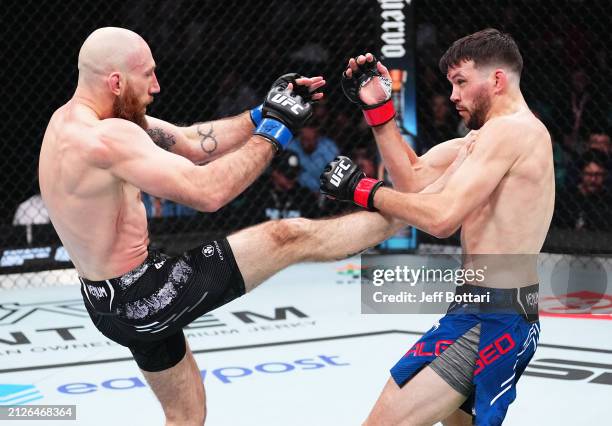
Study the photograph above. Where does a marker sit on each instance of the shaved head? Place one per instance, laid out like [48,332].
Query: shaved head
[111,49]
[117,74]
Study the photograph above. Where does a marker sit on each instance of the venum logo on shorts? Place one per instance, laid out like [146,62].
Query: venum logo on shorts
[97,292]
[532,298]
[208,250]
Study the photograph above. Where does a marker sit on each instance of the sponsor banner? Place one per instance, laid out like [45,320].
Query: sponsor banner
[330,375]
[397,51]
[31,259]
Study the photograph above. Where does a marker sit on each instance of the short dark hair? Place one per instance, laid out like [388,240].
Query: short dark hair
[485,47]
[592,156]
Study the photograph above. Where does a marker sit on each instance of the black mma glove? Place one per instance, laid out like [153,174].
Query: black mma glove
[343,180]
[284,112]
[378,113]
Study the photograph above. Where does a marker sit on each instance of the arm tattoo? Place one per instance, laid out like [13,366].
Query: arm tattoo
[162,139]
[209,141]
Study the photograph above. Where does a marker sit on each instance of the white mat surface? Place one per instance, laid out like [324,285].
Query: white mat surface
[323,364]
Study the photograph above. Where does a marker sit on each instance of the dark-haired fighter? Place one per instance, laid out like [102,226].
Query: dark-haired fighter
[502,198]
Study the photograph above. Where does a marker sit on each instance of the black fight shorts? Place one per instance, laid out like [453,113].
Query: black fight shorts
[146,308]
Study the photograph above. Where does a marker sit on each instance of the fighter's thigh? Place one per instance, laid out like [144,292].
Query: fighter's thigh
[424,400]
[263,250]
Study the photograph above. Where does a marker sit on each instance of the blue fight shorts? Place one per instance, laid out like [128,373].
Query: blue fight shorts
[480,349]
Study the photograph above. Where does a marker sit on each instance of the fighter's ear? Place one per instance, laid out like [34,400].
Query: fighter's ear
[114,83]
[500,80]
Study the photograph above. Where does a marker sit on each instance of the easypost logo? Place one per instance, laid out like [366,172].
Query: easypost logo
[225,375]
[13,394]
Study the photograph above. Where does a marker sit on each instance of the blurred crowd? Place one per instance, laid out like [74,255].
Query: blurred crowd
[567,62]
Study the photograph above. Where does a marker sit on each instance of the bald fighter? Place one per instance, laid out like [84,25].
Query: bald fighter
[100,150]
[502,198]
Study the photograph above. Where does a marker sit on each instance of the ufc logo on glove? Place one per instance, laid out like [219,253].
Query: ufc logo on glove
[284,100]
[339,173]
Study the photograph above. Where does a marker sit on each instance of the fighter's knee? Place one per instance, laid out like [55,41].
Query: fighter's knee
[287,231]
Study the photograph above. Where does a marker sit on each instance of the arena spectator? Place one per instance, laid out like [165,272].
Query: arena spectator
[234,96]
[587,206]
[600,141]
[278,195]
[314,151]
[440,124]
[365,158]
[580,111]
[597,142]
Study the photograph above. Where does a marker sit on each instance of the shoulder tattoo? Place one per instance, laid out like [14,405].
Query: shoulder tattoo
[161,138]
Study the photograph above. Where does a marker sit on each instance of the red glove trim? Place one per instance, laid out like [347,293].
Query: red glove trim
[380,115]
[362,191]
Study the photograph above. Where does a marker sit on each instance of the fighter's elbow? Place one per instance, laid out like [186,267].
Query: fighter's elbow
[210,203]
[442,231]
[200,192]
[444,225]
[200,199]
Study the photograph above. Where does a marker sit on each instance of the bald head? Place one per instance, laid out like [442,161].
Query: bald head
[111,49]
[117,74]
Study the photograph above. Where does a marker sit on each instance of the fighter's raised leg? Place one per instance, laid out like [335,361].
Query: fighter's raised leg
[263,250]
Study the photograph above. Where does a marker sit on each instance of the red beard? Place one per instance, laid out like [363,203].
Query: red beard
[129,108]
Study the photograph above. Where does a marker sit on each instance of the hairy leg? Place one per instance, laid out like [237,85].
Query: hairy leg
[263,250]
[180,391]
